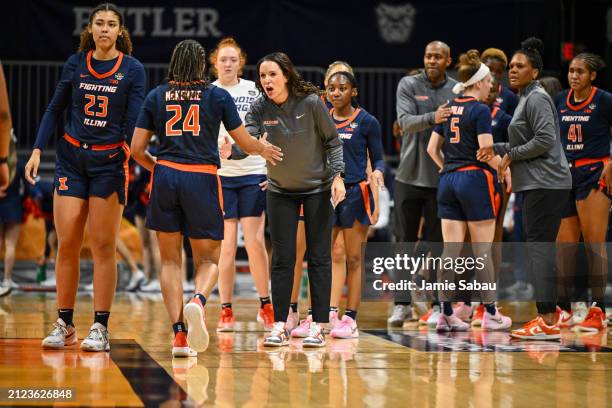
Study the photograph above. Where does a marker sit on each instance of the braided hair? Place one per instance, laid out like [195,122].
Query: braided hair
[532,48]
[593,62]
[124,42]
[187,65]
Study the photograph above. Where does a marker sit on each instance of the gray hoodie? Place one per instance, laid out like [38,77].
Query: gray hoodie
[417,101]
[307,136]
[534,144]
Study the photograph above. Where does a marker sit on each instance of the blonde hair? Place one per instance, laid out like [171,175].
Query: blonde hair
[333,65]
[227,42]
[495,53]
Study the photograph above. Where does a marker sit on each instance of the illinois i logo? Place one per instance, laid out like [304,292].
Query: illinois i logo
[62,183]
[395,23]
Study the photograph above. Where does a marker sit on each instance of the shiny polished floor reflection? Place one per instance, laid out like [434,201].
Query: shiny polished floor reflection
[401,368]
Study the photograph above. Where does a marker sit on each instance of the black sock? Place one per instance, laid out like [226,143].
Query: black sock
[226,305]
[436,303]
[201,297]
[351,313]
[66,316]
[402,303]
[179,327]
[448,308]
[293,307]
[309,312]
[491,309]
[101,317]
[333,309]
[264,301]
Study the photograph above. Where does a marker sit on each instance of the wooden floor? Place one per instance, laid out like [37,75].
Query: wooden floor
[408,368]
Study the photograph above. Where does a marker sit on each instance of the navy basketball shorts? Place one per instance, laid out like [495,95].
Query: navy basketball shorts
[83,170]
[243,196]
[585,177]
[11,210]
[357,206]
[186,198]
[468,194]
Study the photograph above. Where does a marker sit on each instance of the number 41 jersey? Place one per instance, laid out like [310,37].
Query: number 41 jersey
[187,119]
[585,126]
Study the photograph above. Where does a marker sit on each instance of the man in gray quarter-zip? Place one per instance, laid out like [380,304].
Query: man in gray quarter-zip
[421,103]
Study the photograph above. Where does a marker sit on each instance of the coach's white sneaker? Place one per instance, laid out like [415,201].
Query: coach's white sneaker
[61,336]
[97,339]
[400,314]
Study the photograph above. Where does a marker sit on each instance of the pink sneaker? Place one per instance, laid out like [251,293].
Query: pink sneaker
[333,322]
[293,319]
[303,329]
[346,328]
[451,323]
[463,311]
[497,322]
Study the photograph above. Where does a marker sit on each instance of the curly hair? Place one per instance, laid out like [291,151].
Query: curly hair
[227,42]
[468,65]
[296,85]
[124,42]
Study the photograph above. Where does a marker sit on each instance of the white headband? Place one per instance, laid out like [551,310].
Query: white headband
[478,76]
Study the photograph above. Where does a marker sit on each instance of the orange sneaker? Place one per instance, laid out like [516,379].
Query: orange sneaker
[265,316]
[537,329]
[564,318]
[478,315]
[226,320]
[423,319]
[593,322]
[180,348]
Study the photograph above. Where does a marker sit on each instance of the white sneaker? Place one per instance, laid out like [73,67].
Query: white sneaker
[152,286]
[451,323]
[138,278]
[432,322]
[9,283]
[88,287]
[279,336]
[5,291]
[61,336]
[400,314]
[197,335]
[97,339]
[579,313]
[315,338]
